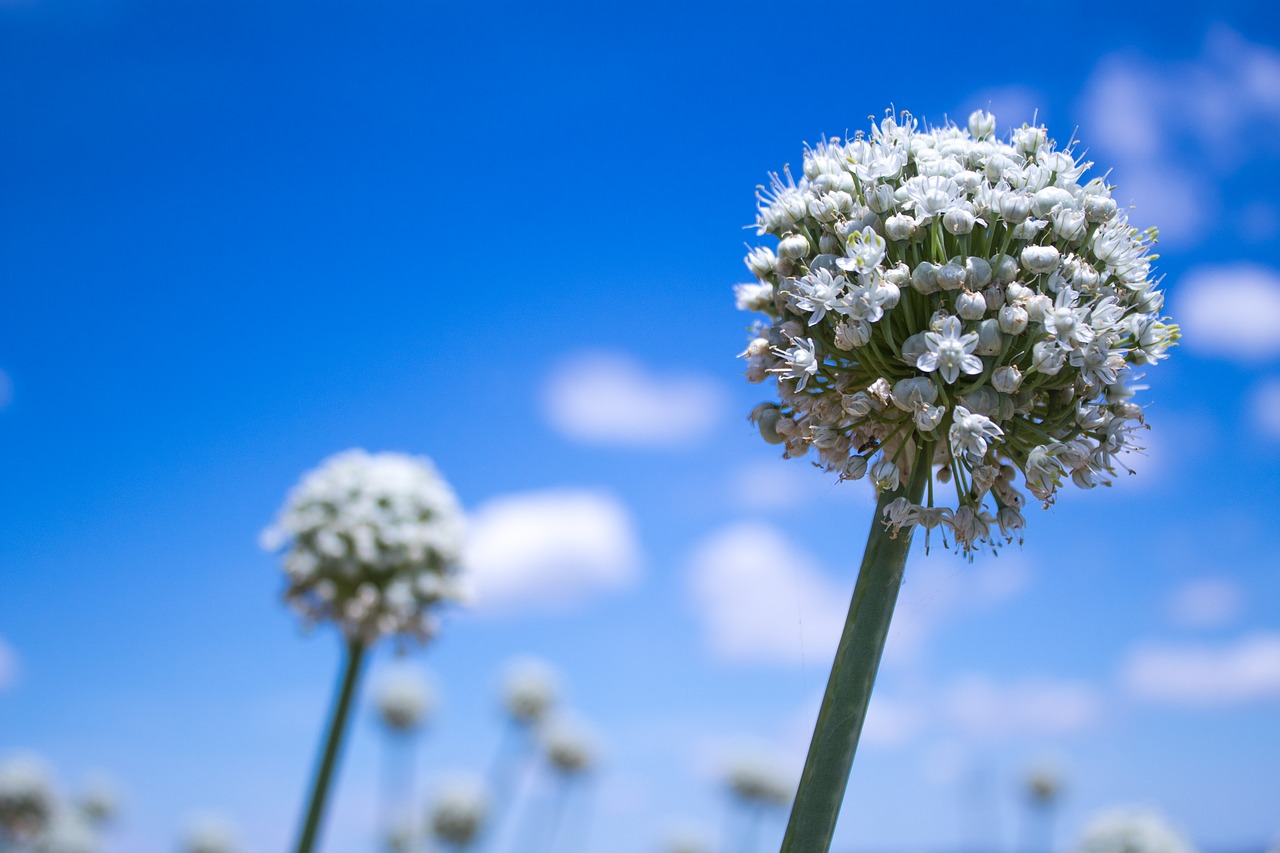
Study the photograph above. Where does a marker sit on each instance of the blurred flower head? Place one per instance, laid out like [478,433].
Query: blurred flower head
[372,542]
[459,811]
[757,781]
[940,297]
[570,746]
[69,831]
[687,837]
[1043,784]
[27,797]
[1131,830]
[404,697]
[99,799]
[210,834]
[530,689]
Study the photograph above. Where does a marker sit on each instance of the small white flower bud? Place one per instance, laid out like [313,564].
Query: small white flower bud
[1038,306]
[1006,379]
[885,475]
[855,468]
[970,305]
[1004,269]
[853,334]
[828,244]
[767,422]
[1044,201]
[889,294]
[911,394]
[1048,357]
[958,221]
[982,124]
[793,246]
[898,275]
[914,347]
[1069,225]
[880,199]
[762,261]
[990,341]
[924,278]
[1013,320]
[857,405]
[950,276]
[979,272]
[1038,260]
[994,296]
[1099,208]
[899,227]
[1015,207]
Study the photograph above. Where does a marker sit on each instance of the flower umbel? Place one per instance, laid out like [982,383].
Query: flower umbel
[372,543]
[944,298]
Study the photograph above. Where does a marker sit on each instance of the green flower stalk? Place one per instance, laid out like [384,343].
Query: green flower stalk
[956,318]
[372,543]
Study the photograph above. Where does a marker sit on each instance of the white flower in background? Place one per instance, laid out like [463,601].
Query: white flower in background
[210,834]
[372,542]
[530,689]
[403,698]
[99,799]
[991,273]
[1132,830]
[459,811]
[757,781]
[1043,784]
[27,797]
[69,831]
[687,838]
[569,745]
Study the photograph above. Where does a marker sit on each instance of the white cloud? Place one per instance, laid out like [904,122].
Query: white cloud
[549,548]
[986,709]
[608,398]
[1205,603]
[763,599]
[1248,669]
[1171,129]
[8,665]
[769,484]
[935,590]
[1231,310]
[1265,408]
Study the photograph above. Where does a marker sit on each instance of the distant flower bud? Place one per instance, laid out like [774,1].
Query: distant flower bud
[855,468]
[1015,207]
[762,261]
[899,227]
[1099,208]
[1004,269]
[885,475]
[924,278]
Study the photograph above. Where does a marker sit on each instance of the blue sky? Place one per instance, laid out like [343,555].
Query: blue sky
[238,237]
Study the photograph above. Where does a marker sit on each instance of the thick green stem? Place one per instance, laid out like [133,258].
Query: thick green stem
[844,706]
[332,746]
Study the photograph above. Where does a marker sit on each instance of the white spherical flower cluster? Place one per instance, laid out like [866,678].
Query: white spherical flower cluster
[373,543]
[1136,830]
[530,689]
[459,812]
[570,746]
[943,298]
[210,834]
[757,781]
[404,698]
[27,797]
[70,831]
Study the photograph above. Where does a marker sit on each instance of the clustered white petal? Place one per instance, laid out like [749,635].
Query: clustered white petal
[372,542]
[27,797]
[940,297]
[569,745]
[530,689]
[758,781]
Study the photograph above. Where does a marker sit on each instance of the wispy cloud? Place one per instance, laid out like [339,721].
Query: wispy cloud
[609,398]
[1205,603]
[1231,311]
[1246,670]
[549,549]
[984,708]
[1171,128]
